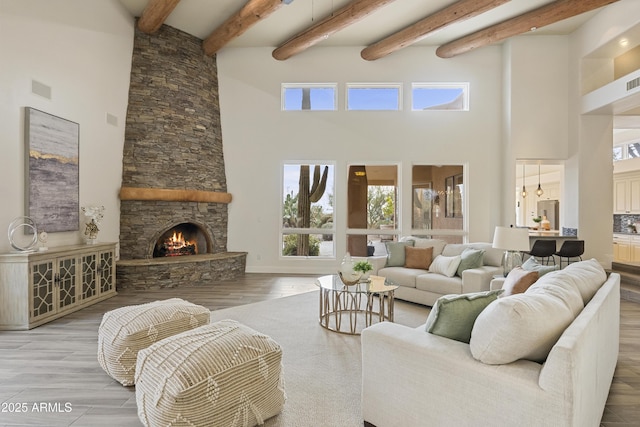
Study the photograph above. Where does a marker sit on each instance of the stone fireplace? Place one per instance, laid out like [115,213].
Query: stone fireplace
[182,239]
[173,211]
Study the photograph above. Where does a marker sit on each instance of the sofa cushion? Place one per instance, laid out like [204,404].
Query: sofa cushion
[439,284]
[445,265]
[532,264]
[419,242]
[418,257]
[470,258]
[453,249]
[521,326]
[518,280]
[588,275]
[402,276]
[452,316]
[492,256]
[561,285]
[395,253]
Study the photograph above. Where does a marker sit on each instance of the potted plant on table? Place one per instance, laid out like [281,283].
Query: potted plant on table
[363,267]
[537,220]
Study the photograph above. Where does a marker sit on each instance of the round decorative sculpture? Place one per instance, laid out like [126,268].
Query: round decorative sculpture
[350,279]
[18,223]
[347,274]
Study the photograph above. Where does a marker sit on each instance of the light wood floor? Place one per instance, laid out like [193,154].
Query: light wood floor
[56,363]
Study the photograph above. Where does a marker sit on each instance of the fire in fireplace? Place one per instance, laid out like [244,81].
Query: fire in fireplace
[183,239]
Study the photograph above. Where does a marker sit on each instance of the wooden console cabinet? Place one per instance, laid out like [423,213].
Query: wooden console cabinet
[38,287]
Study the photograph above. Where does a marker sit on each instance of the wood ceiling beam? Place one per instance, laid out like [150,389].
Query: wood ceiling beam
[457,12]
[342,18]
[154,14]
[250,14]
[530,21]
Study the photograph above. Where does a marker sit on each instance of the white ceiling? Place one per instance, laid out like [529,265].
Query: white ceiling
[201,17]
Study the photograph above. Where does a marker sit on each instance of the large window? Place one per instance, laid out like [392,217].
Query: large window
[437,199]
[308,96]
[307,210]
[372,204]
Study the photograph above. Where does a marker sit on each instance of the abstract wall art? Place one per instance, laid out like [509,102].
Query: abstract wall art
[52,171]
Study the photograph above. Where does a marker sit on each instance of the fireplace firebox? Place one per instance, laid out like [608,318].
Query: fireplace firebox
[182,240]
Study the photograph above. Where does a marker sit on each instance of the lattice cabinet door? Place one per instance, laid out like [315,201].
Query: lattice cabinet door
[42,302]
[89,282]
[107,272]
[67,282]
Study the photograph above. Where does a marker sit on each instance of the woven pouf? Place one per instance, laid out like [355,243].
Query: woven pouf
[223,374]
[125,331]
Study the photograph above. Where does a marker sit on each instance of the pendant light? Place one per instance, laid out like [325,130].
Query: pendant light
[539,191]
[524,190]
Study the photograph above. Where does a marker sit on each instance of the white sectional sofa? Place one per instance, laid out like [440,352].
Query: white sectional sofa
[414,378]
[422,286]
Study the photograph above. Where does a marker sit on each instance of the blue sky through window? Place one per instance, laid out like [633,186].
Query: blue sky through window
[322,98]
[432,97]
[373,98]
[291,177]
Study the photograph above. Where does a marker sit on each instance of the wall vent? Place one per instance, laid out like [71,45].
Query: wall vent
[40,89]
[632,84]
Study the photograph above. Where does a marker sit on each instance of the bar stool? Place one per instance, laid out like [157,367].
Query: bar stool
[570,249]
[543,249]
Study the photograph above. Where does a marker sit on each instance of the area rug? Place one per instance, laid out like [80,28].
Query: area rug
[322,368]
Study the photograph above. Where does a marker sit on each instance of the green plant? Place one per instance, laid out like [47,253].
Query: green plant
[291,246]
[306,196]
[362,266]
[537,219]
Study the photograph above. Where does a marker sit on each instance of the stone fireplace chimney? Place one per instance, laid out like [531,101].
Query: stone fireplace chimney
[173,165]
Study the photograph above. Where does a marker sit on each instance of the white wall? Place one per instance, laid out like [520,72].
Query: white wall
[589,170]
[258,136]
[83,52]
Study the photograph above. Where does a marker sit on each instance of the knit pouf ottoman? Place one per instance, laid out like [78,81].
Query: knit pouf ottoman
[125,331]
[223,374]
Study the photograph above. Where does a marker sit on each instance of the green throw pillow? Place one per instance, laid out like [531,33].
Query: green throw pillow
[532,264]
[395,253]
[453,316]
[470,258]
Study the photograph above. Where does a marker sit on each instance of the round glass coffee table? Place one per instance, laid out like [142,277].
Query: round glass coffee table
[346,309]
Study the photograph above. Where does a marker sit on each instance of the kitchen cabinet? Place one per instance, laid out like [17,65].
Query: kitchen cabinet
[38,287]
[635,249]
[626,194]
[621,248]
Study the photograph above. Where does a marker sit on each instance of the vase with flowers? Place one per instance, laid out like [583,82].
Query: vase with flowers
[94,215]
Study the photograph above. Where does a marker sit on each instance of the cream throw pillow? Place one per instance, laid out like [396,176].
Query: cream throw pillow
[445,265]
[521,326]
[588,276]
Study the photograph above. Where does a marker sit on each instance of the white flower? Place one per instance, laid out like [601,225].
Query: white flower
[95,213]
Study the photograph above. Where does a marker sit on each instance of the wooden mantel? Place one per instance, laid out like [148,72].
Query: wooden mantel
[172,195]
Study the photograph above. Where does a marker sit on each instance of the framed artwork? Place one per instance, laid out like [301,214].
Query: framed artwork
[448,193]
[52,171]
